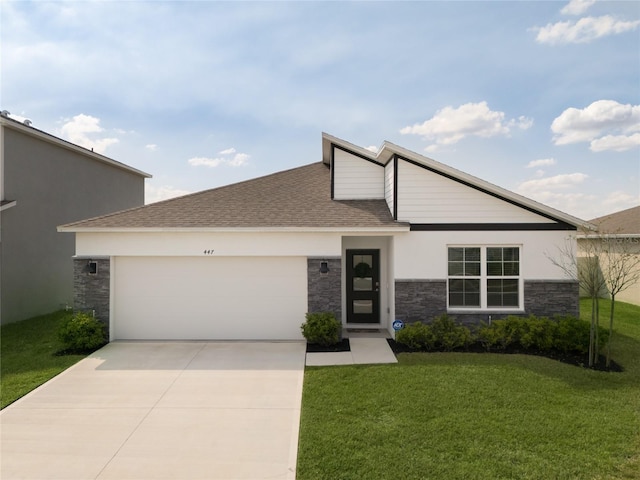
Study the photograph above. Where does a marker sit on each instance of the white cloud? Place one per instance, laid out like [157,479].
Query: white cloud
[605,124]
[205,162]
[543,162]
[450,125]
[620,200]
[79,130]
[584,30]
[152,146]
[372,148]
[557,182]
[560,192]
[617,143]
[229,157]
[577,7]
[154,194]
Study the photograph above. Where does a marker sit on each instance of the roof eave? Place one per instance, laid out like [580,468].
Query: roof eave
[400,227]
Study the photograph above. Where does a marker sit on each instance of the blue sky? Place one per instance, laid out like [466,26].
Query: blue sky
[541,98]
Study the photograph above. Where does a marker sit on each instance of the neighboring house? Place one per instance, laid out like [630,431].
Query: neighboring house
[623,226]
[46,181]
[372,237]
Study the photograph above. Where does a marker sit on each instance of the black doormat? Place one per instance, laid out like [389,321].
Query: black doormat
[341,346]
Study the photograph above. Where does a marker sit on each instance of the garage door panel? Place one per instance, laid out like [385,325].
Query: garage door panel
[211,298]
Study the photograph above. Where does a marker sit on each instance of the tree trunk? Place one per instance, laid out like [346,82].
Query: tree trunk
[592,330]
[613,304]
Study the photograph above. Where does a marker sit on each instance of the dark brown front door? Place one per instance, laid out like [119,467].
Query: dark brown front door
[363,286]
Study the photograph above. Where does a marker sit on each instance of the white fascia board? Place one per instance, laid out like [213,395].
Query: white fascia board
[382,230]
[597,236]
[328,140]
[47,137]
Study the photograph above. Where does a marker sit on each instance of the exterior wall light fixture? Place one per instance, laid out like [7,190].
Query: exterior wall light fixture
[324,267]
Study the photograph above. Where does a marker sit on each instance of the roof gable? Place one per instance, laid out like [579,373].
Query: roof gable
[391,154]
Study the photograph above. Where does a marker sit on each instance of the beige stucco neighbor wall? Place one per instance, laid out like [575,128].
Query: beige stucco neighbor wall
[631,294]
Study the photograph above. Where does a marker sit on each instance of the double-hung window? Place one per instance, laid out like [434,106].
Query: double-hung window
[484,278]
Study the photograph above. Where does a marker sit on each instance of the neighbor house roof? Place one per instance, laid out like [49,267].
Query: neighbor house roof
[27,129]
[299,198]
[624,222]
[389,150]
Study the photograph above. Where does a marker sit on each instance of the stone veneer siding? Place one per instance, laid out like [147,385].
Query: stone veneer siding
[422,300]
[546,298]
[324,290]
[92,292]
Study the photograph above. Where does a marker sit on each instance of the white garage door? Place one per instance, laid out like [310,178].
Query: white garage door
[221,298]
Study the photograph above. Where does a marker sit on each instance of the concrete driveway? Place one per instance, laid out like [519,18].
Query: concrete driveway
[170,410]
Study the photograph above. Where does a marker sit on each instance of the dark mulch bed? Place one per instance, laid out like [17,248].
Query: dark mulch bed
[341,346]
[578,360]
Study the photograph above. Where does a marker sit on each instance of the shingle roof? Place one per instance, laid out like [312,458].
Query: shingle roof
[296,198]
[623,222]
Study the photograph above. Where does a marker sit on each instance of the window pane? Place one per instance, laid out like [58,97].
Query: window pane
[464,293]
[456,254]
[494,269]
[472,269]
[362,284]
[511,268]
[494,254]
[363,306]
[502,293]
[362,265]
[456,268]
[511,254]
[472,254]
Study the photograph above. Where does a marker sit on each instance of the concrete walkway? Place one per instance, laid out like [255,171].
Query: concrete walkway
[171,410]
[366,348]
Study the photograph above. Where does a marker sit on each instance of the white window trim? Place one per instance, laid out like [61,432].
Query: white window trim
[483,281]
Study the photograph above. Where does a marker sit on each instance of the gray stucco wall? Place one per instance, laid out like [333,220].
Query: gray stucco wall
[324,290]
[52,186]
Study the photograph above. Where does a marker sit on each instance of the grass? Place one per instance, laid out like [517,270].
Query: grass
[27,355]
[465,415]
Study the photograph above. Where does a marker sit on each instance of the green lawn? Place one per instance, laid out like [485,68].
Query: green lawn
[27,355]
[476,416]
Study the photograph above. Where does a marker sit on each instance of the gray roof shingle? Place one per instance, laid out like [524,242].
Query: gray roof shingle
[622,222]
[296,198]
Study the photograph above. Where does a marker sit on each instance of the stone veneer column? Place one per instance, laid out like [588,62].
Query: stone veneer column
[91,292]
[324,289]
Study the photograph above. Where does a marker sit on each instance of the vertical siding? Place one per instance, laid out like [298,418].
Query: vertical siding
[426,197]
[355,178]
[389,184]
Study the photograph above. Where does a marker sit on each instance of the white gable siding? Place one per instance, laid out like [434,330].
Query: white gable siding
[355,178]
[427,197]
[388,184]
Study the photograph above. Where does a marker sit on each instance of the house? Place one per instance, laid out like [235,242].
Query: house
[372,237]
[624,228]
[44,182]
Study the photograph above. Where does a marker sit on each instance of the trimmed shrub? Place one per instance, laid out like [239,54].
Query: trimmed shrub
[573,335]
[82,333]
[417,336]
[322,328]
[449,335]
[538,333]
